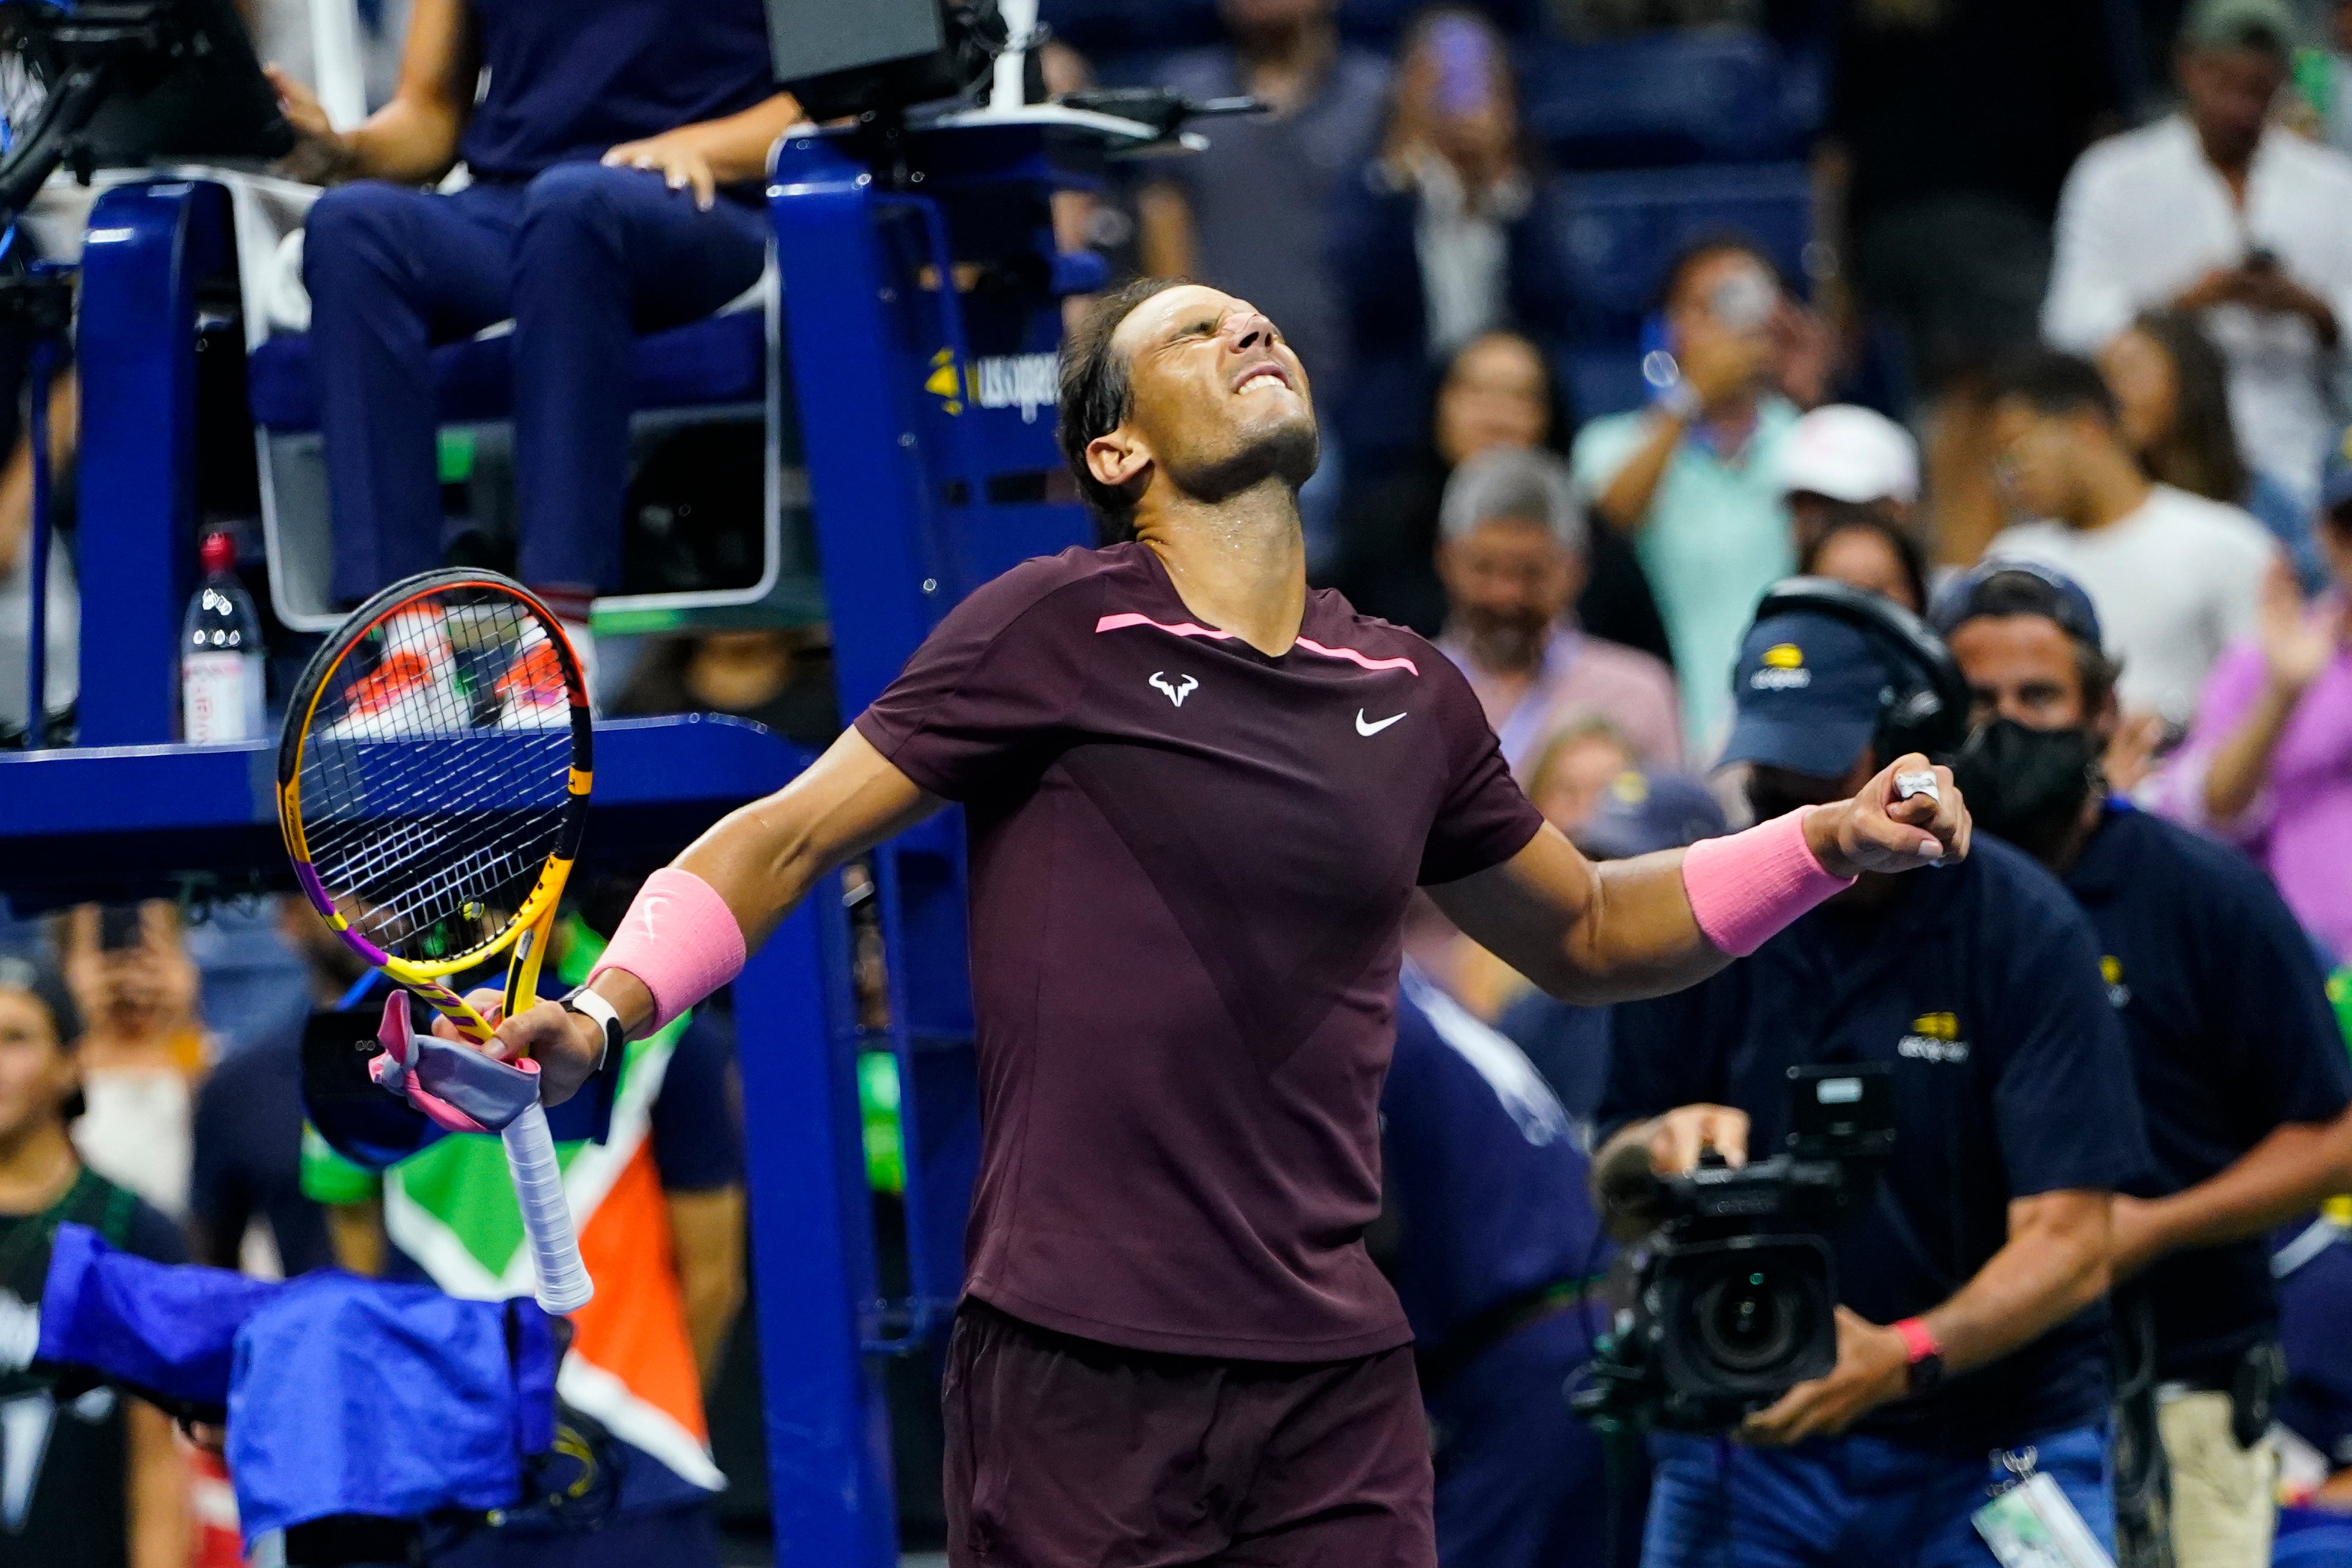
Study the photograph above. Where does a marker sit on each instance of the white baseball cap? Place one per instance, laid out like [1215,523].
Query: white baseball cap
[1850,453]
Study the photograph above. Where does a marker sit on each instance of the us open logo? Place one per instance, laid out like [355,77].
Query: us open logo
[1784,669]
[1934,1038]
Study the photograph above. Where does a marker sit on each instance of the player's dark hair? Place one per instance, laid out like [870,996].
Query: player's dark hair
[1095,397]
[2052,384]
[2029,594]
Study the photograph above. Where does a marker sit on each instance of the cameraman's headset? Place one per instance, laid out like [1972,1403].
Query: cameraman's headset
[1926,713]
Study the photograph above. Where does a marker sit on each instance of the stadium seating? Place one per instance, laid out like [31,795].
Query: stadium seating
[1667,99]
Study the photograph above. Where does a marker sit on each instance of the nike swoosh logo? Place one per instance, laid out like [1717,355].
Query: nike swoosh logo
[1364,729]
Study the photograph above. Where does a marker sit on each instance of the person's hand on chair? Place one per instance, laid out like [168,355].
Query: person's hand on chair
[676,157]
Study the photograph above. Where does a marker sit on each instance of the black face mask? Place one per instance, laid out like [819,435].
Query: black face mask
[1768,799]
[2027,786]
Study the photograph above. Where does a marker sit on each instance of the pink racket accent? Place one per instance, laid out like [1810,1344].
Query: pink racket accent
[680,939]
[1746,888]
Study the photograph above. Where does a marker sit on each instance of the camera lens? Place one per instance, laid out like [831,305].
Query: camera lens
[1749,1320]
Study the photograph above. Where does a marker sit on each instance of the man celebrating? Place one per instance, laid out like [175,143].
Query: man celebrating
[1198,798]
[1963,1338]
[2242,1074]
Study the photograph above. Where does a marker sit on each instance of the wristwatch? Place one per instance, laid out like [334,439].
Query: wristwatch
[598,1011]
[1926,1354]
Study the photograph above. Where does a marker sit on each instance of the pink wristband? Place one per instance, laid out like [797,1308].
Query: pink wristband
[680,939]
[1745,888]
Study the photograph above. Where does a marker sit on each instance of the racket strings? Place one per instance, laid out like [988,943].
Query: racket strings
[431,798]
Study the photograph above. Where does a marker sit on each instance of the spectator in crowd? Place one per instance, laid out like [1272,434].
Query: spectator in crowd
[616,149]
[1637,813]
[2314,1269]
[2172,398]
[1253,214]
[2269,763]
[1512,560]
[96,1481]
[2241,1071]
[1695,478]
[1972,1320]
[247,1208]
[1498,391]
[61,676]
[1840,459]
[658,1201]
[1447,234]
[1870,552]
[1572,771]
[142,1049]
[1488,1235]
[2176,577]
[1946,208]
[2216,212]
[781,678]
[2325,76]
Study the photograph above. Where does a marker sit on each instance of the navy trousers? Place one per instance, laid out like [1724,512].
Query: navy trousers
[583,258]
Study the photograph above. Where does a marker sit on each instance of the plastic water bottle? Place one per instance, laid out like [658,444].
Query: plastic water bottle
[220,653]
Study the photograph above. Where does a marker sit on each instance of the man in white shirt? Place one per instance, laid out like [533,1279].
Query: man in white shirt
[2175,577]
[2215,210]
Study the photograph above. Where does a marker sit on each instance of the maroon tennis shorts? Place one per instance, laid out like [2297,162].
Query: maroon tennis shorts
[1067,1453]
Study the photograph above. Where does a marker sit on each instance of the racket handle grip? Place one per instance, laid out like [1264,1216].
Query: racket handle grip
[563,1282]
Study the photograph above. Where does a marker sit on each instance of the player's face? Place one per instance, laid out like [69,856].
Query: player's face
[2022,669]
[35,1071]
[1219,402]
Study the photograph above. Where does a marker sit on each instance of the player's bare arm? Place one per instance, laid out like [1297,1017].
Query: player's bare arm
[1625,930]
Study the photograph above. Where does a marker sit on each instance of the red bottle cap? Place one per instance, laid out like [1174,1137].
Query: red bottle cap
[218,553]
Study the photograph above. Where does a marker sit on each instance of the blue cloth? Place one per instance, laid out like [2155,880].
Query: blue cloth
[2231,1034]
[583,257]
[1481,1168]
[674,1538]
[1979,984]
[568,81]
[345,1396]
[168,1330]
[354,1396]
[1838,1501]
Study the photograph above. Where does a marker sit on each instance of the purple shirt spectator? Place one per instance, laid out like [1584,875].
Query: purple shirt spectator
[1581,677]
[2299,829]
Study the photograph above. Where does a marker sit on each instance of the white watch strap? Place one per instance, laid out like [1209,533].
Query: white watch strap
[591,1005]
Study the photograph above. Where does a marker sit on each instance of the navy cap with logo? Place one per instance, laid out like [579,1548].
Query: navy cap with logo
[1808,689]
[1641,813]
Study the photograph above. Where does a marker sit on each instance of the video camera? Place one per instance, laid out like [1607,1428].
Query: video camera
[1734,1295]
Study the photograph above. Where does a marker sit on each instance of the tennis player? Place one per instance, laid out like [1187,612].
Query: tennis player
[1199,796]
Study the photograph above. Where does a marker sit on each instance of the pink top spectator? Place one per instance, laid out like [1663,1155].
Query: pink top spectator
[2299,829]
[1582,677]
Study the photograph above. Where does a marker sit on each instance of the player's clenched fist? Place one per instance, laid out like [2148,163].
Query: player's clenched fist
[1910,816]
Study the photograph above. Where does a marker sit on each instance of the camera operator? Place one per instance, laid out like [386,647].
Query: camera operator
[2241,1075]
[1971,1328]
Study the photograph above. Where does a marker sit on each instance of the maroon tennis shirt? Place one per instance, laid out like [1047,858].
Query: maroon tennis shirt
[1190,864]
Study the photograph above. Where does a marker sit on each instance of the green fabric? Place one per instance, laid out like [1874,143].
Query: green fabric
[1717,535]
[2340,990]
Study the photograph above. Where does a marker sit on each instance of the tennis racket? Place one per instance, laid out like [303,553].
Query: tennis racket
[432,786]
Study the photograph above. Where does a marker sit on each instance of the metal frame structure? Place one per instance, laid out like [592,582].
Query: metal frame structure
[922,304]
